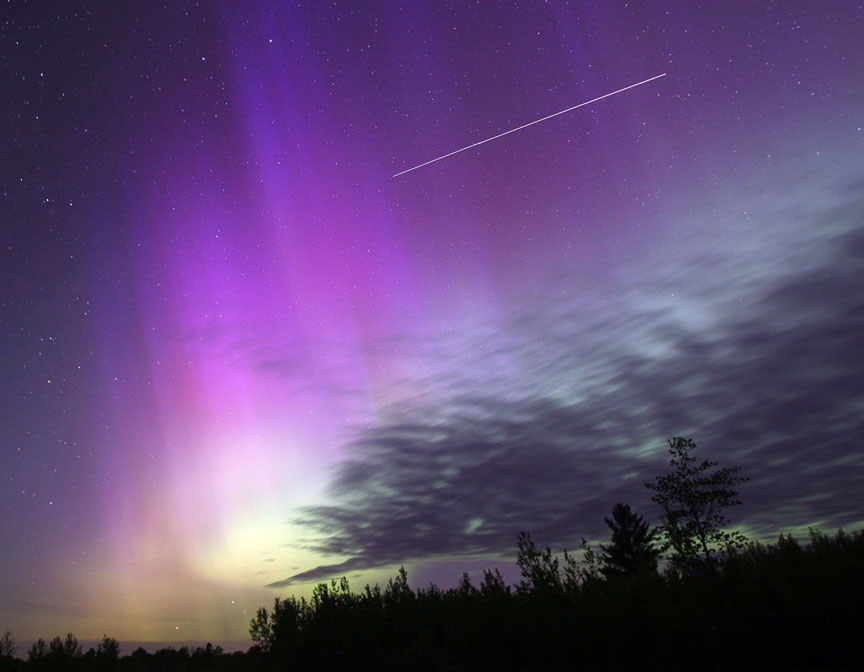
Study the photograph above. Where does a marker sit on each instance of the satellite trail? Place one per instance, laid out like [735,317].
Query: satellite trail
[519,128]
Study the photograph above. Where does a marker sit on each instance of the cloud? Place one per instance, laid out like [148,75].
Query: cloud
[339,569]
[544,419]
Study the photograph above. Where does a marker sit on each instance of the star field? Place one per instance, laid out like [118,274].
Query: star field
[238,355]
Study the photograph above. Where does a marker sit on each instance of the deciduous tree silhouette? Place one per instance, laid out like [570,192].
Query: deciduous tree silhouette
[693,498]
[632,552]
[261,629]
[65,648]
[38,651]
[107,654]
[539,567]
[7,645]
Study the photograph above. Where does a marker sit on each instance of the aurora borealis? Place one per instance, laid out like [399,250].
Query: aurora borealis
[239,357]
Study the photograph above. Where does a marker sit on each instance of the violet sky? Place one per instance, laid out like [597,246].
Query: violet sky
[237,356]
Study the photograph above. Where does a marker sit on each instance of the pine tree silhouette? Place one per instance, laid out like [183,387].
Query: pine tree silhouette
[631,552]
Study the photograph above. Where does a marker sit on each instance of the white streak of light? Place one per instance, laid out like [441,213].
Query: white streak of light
[519,128]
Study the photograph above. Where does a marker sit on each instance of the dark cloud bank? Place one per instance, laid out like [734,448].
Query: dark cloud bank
[756,349]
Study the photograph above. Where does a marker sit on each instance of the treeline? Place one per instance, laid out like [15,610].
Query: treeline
[67,655]
[764,607]
[782,606]
[686,594]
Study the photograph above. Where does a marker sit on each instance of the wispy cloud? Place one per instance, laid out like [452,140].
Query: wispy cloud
[547,418]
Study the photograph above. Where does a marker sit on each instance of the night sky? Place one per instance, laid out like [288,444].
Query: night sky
[237,355]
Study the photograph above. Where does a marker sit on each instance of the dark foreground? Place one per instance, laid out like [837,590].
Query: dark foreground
[777,607]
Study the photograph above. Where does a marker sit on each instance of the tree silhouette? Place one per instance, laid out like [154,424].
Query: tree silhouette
[632,551]
[38,650]
[261,629]
[7,645]
[693,498]
[65,648]
[107,654]
[539,567]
